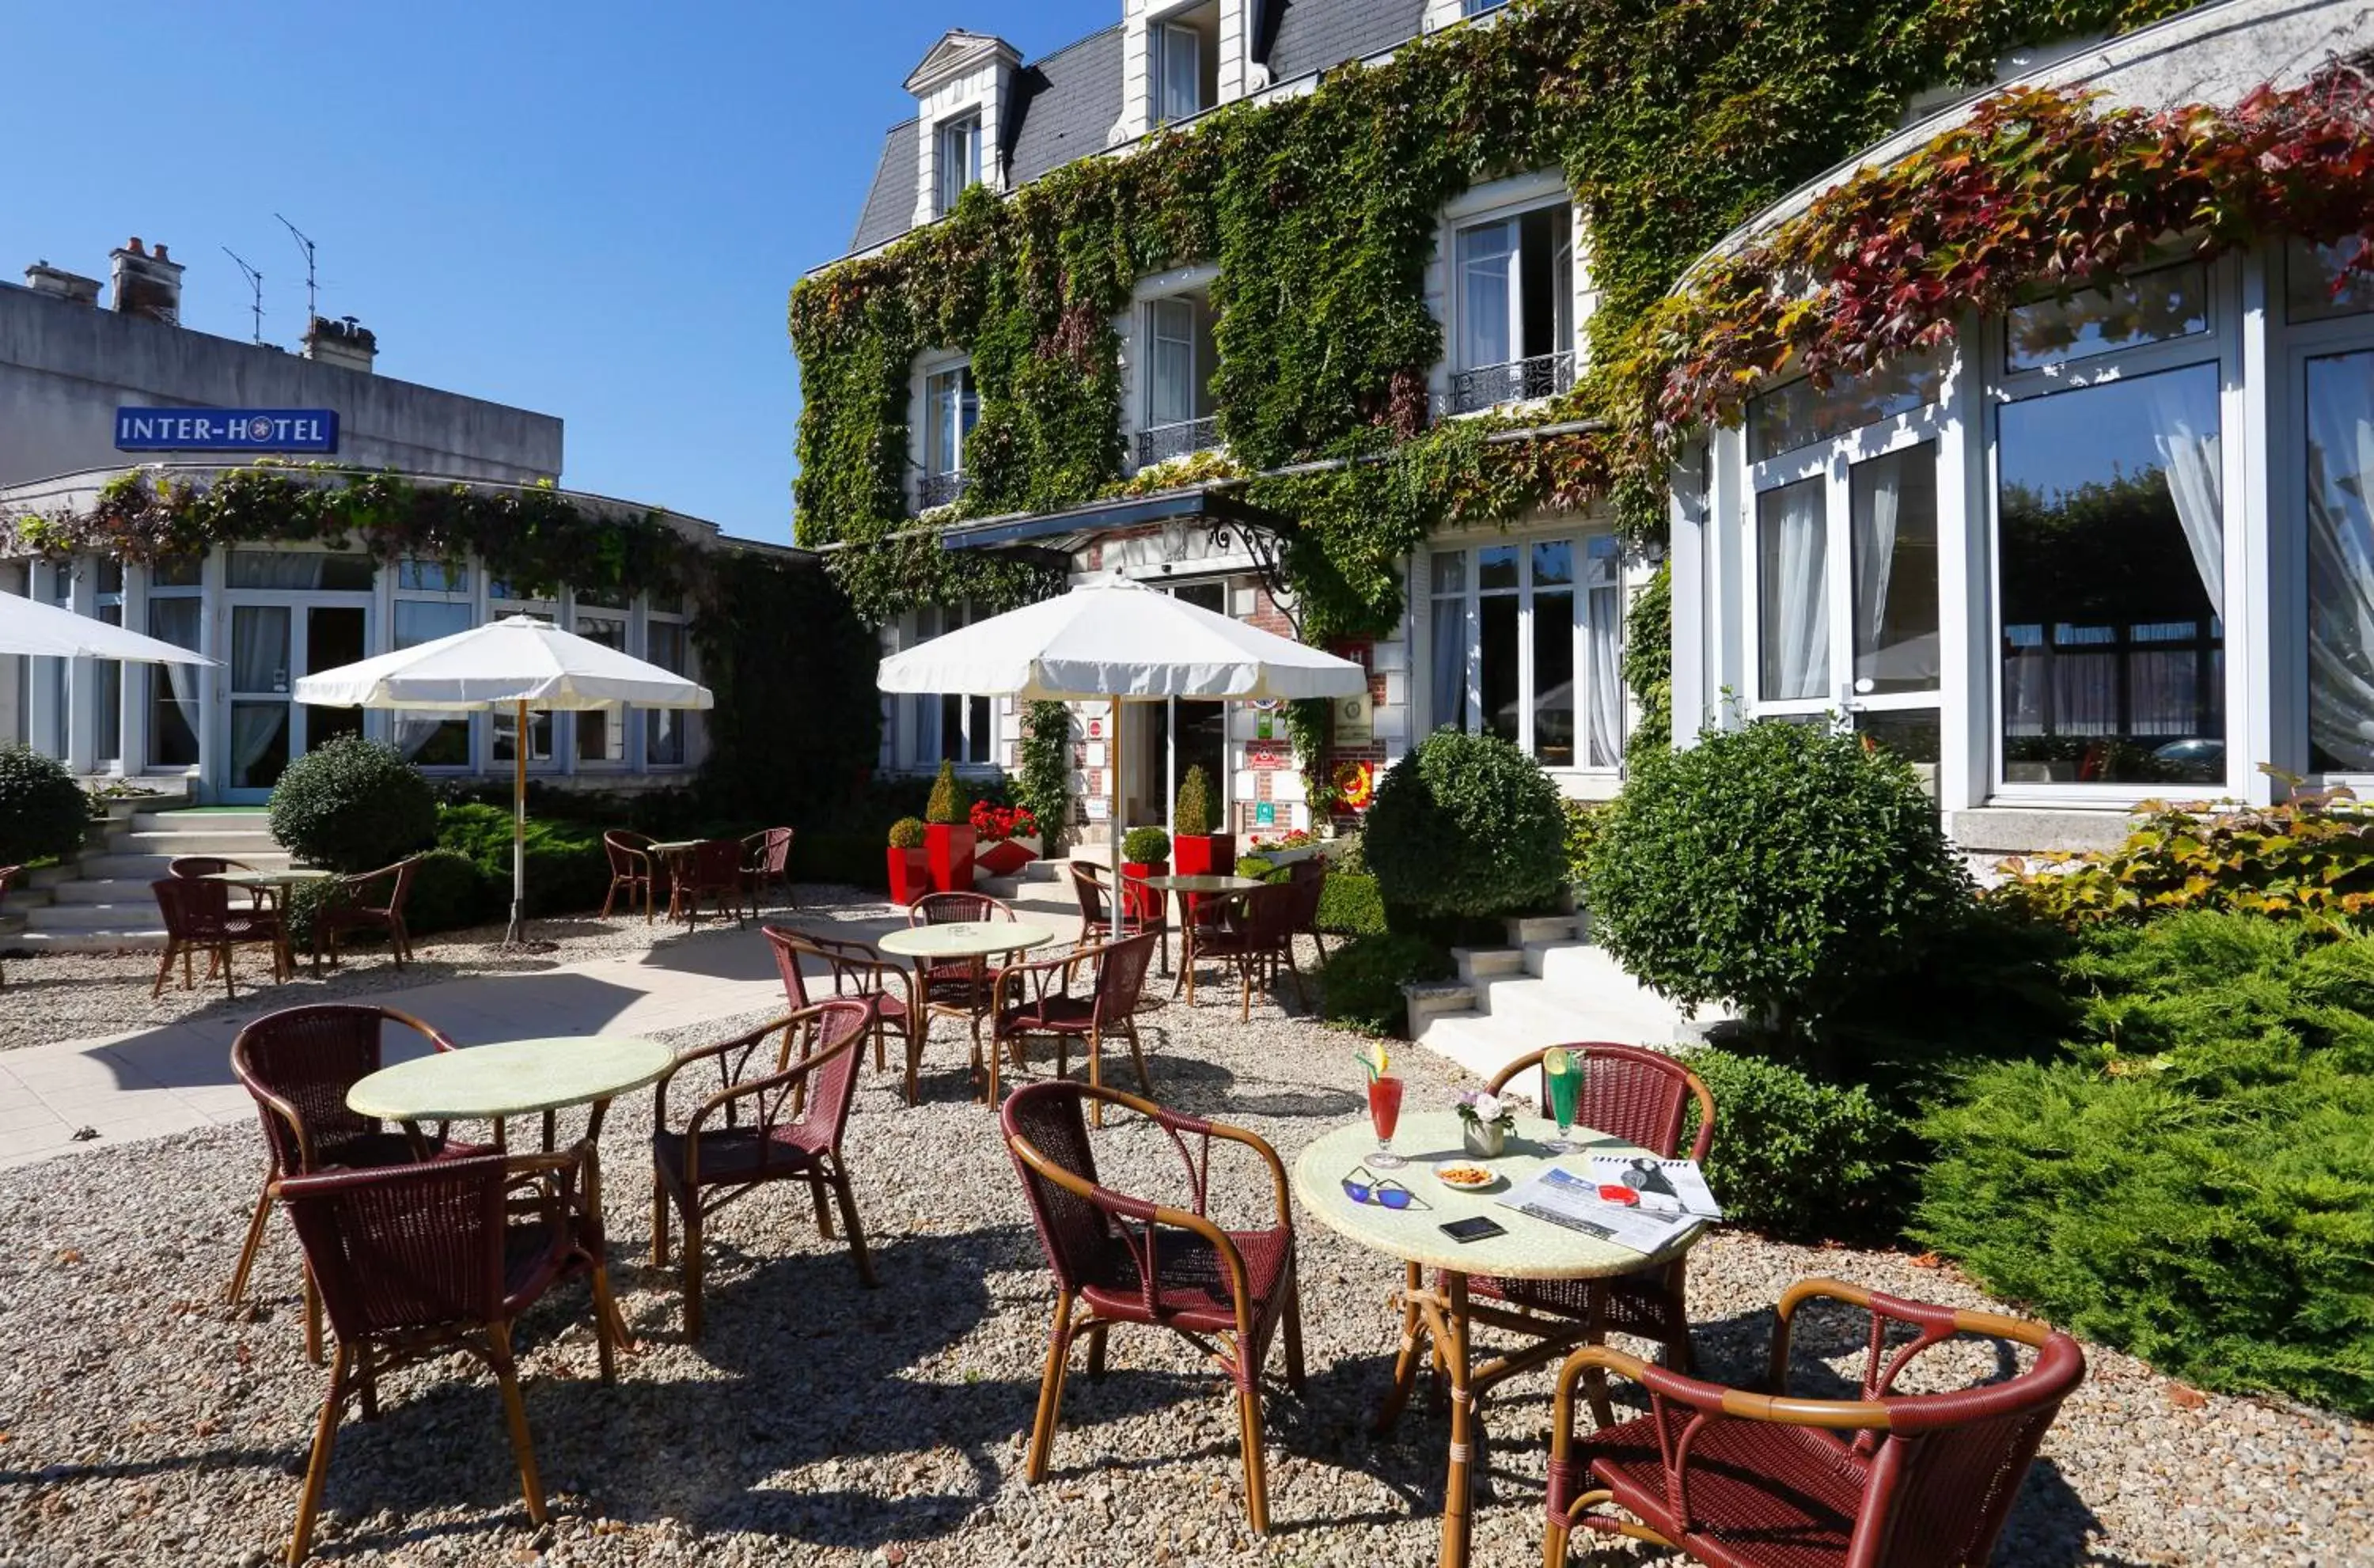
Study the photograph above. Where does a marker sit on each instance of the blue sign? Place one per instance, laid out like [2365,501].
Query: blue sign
[226,429]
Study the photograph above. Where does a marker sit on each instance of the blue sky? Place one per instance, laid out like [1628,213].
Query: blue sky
[594,210]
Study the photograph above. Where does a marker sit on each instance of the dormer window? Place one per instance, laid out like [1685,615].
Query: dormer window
[960,159]
[1512,306]
[1180,362]
[1183,64]
[951,410]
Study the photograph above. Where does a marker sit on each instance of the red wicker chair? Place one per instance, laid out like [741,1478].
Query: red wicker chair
[8,874]
[1257,936]
[417,1262]
[1767,1480]
[1035,999]
[860,974]
[767,865]
[198,916]
[710,872]
[373,901]
[1089,887]
[1127,1260]
[1309,877]
[783,1125]
[631,870]
[961,987]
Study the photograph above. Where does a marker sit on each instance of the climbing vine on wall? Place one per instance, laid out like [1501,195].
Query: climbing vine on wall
[1322,213]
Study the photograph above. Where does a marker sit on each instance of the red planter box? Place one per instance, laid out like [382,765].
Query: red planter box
[1138,899]
[1205,854]
[911,874]
[949,845]
[1003,857]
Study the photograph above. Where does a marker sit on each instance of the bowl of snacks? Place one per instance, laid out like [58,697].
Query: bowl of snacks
[1467,1176]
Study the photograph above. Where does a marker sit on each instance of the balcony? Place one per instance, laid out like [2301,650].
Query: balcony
[1520,380]
[939,490]
[1162,442]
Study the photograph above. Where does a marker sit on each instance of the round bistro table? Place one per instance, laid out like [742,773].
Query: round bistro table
[268,890]
[1191,889]
[667,852]
[1533,1249]
[975,940]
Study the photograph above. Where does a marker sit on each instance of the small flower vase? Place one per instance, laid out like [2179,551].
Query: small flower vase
[1484,1139]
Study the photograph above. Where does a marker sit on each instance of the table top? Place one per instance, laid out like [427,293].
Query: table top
[966,939]
[514,1078]
[674,846]
[1204,883]
[1533,1249]
[289,878]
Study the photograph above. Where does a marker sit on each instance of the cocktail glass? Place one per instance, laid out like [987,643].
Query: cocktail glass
[1562,1074]
[1384,1111]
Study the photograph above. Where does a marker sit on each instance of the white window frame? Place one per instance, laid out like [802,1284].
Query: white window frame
[561,744]
[653,616]
[957,142]
[911,752]
[1470,597]
[2290,551]
[2220,347]
[1510,215]
[1162,37]
[466,596]
[964,391]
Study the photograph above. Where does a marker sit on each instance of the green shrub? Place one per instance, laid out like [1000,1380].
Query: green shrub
[1044,785]
[907,833]
[1144,845]
[1348,852]
[450,892]
[567,868]
[1582,823]
[948,804]
[1255,866]
[353,805]
[42,813]
[1466,826]
[1775,867]
[1796,1158]
[1360,987]
[2310,857]
[1349,904]
[1191,813]
[2190,1180]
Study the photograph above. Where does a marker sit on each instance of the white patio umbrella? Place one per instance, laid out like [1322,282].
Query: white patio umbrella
[518,663]
[45,631]
[1119,641]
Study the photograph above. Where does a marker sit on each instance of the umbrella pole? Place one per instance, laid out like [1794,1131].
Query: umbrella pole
[1119,894]
[517,933]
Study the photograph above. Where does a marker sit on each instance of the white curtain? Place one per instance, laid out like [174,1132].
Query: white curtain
[275,569]
[1796,606]
[2340,557]
[2185,432]
[1448,638]
[1874,552]
[176,621]
[259,663]
[1486,283]
[1605,607]
[1173,389]
[1183,72]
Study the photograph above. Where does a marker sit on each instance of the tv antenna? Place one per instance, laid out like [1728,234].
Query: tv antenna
[312,308]
[255,286]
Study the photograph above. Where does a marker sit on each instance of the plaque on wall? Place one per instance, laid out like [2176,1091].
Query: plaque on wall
[1356,721]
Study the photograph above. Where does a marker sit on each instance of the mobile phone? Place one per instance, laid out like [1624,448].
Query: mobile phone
[1476,1227]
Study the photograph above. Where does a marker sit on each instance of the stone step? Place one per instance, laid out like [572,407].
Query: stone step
[140,869]
[197,841]
[256,821]
[1556,1016]
[128,916]
[96,890]
[90,942]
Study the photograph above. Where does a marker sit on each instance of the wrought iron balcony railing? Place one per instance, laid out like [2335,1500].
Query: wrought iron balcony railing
[1543,374]
[1163,442]
[939,489]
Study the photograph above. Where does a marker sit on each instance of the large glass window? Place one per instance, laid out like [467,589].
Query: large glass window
[663,734]
[2340,492]
[1526,643]
[1514,309]
[600,732]
[1179,360]
[951,727]
[1799,414]
[1892,507]
[2322,281]
[176,615]
[951,410]
[960,159]
[2141,308]
[1792,593]
[431,740]
[2110,545]
[334,571]
[505,600]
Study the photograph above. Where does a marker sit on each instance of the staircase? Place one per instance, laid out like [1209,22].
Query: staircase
[1548,987]
[102,904]
[1041,891]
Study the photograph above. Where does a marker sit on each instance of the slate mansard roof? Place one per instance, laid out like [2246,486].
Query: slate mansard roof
[1068,103]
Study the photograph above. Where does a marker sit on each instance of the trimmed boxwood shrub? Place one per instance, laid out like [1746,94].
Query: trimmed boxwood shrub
[1349,904]
[567,870]
[1775,867]
[1144,845]
[1466,826]
[908,833]
[1361,986]
[353,805]
[2190,1180]
[451,891]
[43,815]
[1796,1158]
[1191,813]
[948,804]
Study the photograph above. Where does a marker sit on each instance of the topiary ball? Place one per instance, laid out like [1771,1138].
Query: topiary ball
[1144,847]
[1466,826]
[42,811]
[907,833]
[353,805]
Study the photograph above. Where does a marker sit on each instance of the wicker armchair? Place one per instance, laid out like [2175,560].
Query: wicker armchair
[373,901]
[1309,877]
[860,974]
[8,874]
[1767,1480]
[766,866]
[1035,999]
[1128,1261]
[417,1262]
[629,855]
[1257,937]
[1094,897]
[198,918]
[783,1124]
[710,872]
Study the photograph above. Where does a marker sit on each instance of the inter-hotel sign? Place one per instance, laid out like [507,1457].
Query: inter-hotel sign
[226,429]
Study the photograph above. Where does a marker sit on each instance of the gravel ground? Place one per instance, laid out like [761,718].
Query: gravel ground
[826,1423]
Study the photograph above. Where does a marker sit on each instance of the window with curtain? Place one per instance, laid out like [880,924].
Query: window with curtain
[959,159]
[1892,513]
[2339,480]
[328,571]
[430,739]
[107,675]
[2110,545]
[951,409]
[952,726]
[1512,304]
[1793,594]
[1178,73]
[602,733]
[1525,641]
[176,615]
[664,728]
[1175,391]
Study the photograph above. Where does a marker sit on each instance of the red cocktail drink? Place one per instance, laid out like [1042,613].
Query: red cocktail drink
[1384,1111]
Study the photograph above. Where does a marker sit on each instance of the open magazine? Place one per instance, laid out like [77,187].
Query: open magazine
[1669,1198]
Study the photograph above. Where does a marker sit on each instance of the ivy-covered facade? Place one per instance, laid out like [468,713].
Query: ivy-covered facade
[1390,308]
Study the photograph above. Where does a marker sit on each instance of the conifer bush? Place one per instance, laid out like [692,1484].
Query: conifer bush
[42,811]
[948,803]
[1191,813]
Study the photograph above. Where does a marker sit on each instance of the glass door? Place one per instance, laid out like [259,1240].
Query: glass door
[270,645]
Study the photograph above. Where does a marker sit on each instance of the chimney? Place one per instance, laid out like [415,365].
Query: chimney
[145,285]
[346,342]
[60,284]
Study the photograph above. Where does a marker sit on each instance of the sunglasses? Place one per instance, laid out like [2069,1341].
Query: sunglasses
[1361,1186]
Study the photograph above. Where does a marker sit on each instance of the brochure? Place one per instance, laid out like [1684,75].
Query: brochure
[1667,1187]
[1565,1198]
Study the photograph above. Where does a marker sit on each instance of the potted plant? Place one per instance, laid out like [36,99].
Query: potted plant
[910,870]
[1485,1123]
[947,834]
[1002,829]
[1196,850]
[1145,852]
